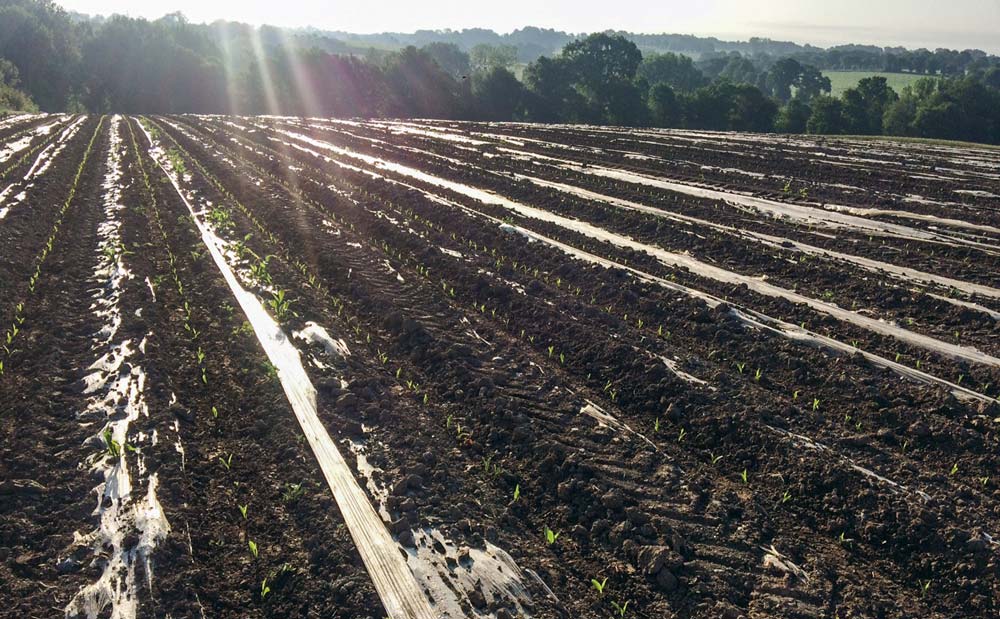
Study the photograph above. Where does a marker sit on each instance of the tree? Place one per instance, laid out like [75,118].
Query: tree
[672,69]
[553,96]
[483,58]
[450,58]
[899,116]
[827,116]
[499,95]
[750,110]
[603,68]
[782,75]
[419,88]
[811,83]
[602,58]
[39,38]
[664,107]
[793,117]
[787,73]
[725,106]
[991,77]
[959,109]
[739,70]
[10,97]
[865,105]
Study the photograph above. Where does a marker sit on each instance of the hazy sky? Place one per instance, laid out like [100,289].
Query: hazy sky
[914,23]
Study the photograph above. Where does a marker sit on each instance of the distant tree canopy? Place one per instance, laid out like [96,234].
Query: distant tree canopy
[671,69]
[43,43]
[12,99]
[450,58]
[63,62]
[484,58]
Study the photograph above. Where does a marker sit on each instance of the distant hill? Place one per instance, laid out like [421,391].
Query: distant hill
[532,42]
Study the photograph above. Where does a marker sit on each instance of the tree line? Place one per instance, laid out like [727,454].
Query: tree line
[57,62]
[528,44]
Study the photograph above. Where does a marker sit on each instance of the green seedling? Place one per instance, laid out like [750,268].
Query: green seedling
[264,589]
[620,609]
[253,548]
[758,375]
[260,271]
[599,585]
[280,305]
[551,536]
[786,497]
[740,366]
[241,249]
[517,493]
[243,510]
[220,218]
[715,458]
[954,469]
[111,446]
[215,413]
[293,492]
[227,462]
[681,435]
[744,476]
[924,587]
[656,425]
[815,404]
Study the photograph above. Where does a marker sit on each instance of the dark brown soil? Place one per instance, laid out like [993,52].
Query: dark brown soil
[742,486]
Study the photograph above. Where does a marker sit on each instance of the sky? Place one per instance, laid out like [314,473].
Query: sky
[958,24]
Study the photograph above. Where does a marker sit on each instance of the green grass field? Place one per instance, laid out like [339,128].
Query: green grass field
[842,80]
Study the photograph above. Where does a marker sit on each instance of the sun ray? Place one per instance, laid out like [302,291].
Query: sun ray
[263,68]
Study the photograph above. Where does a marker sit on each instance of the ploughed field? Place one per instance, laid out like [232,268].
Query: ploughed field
[276,367]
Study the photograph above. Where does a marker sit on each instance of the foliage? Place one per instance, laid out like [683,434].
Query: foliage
[673,70]
[122,64]
[793,118]
[449,58]
[10,97]
[484,58]
[498,95]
